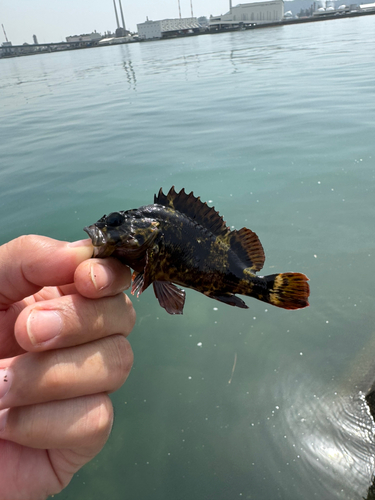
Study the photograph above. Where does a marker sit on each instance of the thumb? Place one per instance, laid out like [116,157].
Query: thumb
[31,262]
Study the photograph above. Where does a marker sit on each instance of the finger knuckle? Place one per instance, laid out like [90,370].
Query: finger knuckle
[121,360]
[100,416]
[130,314]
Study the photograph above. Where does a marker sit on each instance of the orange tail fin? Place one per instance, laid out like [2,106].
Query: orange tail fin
[288,290]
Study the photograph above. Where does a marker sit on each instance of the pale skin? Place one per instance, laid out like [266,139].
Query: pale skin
[55,413]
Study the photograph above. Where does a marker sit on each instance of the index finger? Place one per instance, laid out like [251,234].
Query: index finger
[31,262]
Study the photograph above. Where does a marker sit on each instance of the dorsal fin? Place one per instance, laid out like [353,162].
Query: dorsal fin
[248,248]
[194,208]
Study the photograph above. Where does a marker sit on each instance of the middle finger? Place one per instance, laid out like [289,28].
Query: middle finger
[99,366]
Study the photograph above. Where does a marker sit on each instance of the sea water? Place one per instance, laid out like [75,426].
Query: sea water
[275,128]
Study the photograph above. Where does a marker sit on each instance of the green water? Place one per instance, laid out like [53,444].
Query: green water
[275,128]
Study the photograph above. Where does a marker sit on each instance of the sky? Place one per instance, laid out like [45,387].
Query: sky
[54,20]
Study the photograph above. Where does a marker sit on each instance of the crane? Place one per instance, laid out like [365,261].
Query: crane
[6,38]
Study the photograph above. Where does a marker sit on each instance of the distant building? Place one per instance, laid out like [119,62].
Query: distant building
[167,28]
[35,40]
[91,37]
[6,49]
[367,6]
[203,21]
[247,13]
[121,32]
[116,40]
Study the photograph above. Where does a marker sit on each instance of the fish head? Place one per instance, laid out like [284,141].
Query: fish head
[121,232]
[105,234]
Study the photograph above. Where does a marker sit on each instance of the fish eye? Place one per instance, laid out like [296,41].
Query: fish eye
[115,219]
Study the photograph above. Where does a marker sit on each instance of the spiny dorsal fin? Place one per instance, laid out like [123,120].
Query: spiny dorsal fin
[248,248]
[194,208]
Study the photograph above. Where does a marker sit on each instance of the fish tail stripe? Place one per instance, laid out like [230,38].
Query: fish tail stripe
[288,290]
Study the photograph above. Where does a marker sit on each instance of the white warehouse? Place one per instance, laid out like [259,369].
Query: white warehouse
[167,27]
[91,37]
[246,13]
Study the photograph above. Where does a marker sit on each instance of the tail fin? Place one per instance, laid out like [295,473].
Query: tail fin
[288,290]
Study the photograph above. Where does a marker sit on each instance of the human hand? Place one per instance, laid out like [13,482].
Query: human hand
[63,323]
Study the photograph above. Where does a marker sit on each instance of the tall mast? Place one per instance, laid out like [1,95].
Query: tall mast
[114,5]
[122,15]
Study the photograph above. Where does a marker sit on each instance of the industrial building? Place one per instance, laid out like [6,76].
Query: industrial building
[121,35]
[167,28]
[90,37]
[250,13]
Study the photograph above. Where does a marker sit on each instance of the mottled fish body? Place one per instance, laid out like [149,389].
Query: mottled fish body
[178,240]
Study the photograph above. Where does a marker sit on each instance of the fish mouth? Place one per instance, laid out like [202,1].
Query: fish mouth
[99,240]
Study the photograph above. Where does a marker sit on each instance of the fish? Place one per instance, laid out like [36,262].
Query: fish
[179,241]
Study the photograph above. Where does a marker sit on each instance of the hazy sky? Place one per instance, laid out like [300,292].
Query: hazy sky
[53,20]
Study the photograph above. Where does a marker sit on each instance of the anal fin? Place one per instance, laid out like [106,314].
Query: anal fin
[229,299]
[169,296]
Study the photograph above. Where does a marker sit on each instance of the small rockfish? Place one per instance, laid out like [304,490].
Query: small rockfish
[179,240]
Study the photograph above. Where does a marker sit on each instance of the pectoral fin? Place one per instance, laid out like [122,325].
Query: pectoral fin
[169,296]
[144,279]
[137,286]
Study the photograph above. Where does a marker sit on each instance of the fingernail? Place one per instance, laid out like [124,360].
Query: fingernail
[6,377]
[43,326]
[81,243]
[3,418]
[83,249]
[102,277]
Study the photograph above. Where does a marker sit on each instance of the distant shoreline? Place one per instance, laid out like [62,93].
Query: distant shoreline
[327,16]
[26,50]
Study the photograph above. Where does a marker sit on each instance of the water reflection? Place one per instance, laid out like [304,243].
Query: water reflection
[332,436]
[130,74]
